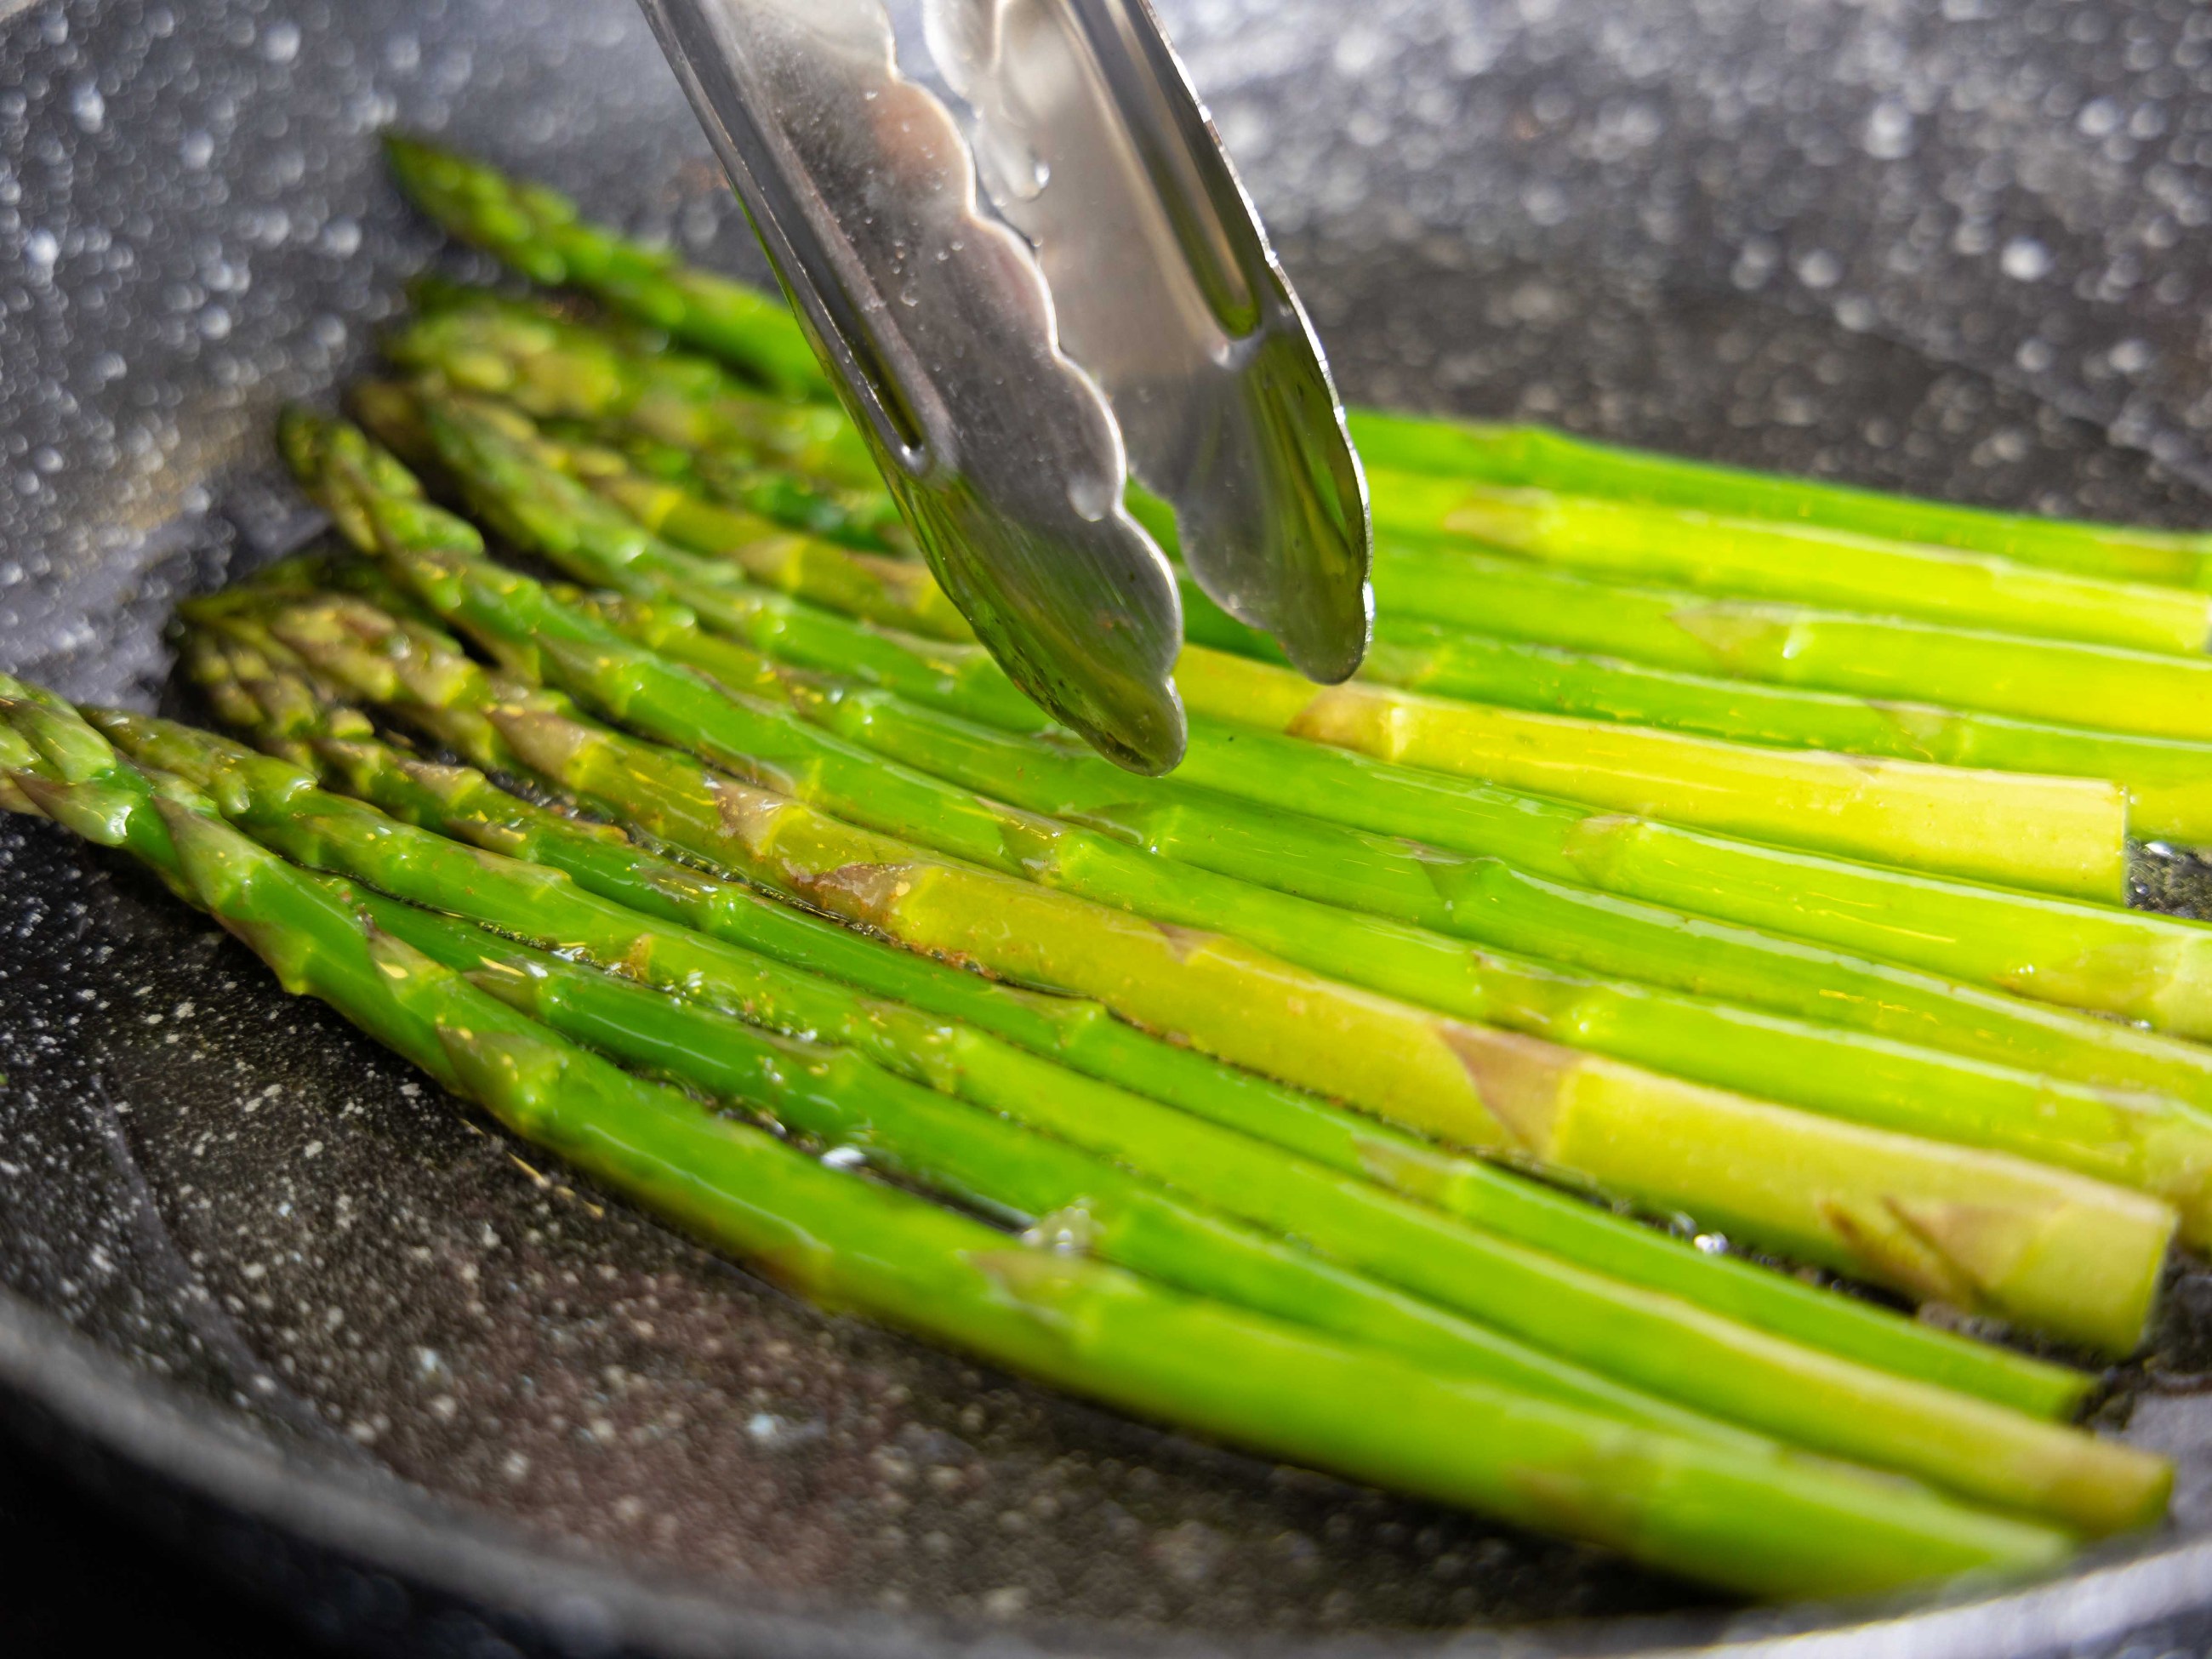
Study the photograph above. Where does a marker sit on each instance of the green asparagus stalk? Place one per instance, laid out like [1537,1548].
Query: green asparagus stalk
[2154,968]
[1035,1182]
[1943,820]
[897,593]
[1051,1188]
[517,618]
[878,588]
[1414,580]
[2149,1143]
[1491,892]
[2064,834]
[1426,597]
[859,513]
[17,755]
[2143,967]
[1302,1028]
[2012,940]
[602,546]
[1766,1522]
[1657,1343]
[2168,783]
[540,234]
[253,679]
[553,368]
[1532,457]
[865,520]
[1706,551]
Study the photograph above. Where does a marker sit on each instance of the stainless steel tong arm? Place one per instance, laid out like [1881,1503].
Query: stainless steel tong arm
[1092,143]
[998,416]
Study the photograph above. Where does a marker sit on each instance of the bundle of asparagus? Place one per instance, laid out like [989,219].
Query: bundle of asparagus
[2036,830]
[1697,1496]
[1610,870]
[914,857]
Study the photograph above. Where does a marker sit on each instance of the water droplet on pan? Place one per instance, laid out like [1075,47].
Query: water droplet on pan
[2025,260]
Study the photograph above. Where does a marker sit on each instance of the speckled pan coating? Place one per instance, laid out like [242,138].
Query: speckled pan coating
[1943,253]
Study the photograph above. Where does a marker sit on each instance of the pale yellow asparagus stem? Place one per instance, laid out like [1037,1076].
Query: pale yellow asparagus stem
[2017,829]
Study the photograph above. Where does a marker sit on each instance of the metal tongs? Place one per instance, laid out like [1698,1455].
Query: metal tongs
[1122,300]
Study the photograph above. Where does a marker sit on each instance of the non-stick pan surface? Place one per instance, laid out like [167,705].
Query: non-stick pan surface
[286,1302]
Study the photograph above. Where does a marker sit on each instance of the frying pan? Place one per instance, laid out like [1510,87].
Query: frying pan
[285,1306]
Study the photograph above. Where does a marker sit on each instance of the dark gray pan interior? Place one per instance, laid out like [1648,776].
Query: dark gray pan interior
[289,1305]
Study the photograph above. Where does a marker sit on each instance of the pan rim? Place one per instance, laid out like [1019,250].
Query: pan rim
[383,1523]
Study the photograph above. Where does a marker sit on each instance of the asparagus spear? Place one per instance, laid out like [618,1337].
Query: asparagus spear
[17,755]
[2066,954]
[857,512]
[895,591]
[2064,834]
[1478,1085]
[1534,457]
[1707,550]
[1652,1342]
[551,368]
[1766,1522]
[875,587]
[2168,782]
[540,234]
[1414,580]
[912,1132]
[602,546]
[2148,1142]
[285,715]
[865,520]
[1943,820]
[1505,891]
[1027,1180]
[2145,968]
[1426,597]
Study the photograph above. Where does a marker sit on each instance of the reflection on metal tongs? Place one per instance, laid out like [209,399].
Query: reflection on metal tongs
[999,372]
